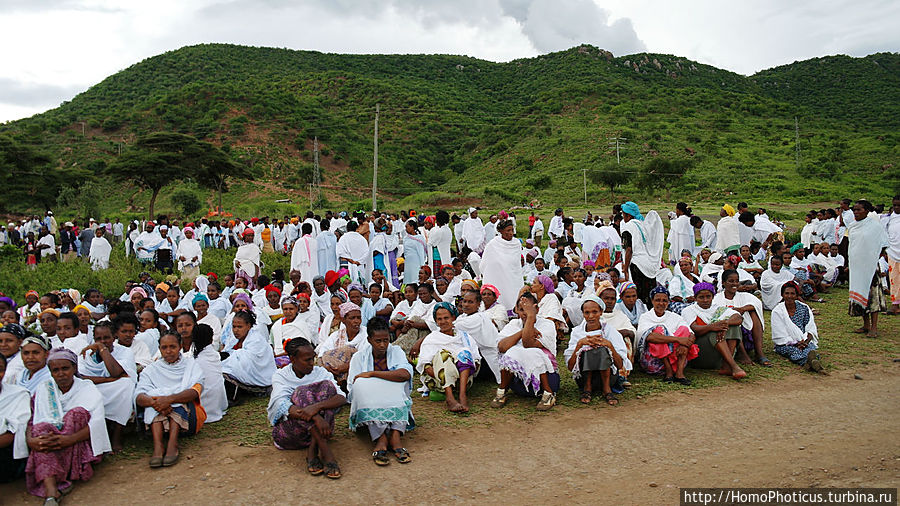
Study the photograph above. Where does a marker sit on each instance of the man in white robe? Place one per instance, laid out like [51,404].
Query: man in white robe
[473,232]
[305,255]
[353,253]
[501,264]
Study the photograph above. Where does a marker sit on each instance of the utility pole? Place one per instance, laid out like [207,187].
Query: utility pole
[317,181]
[614,141]
[375,164]
[310,196]
[82,129]
[584,171]
[797,139]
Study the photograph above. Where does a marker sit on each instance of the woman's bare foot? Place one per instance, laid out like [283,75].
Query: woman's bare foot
[872,334]
[725,370]
[861,330]
[453,406]
[739,374]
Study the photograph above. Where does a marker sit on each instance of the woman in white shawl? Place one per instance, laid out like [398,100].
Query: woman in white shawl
[480,327]
[197,343]
[67,433]
[771,280]
[189,255]
[642,240]
[665,342]
[440,237]
[415,252]
[250,363]
[718,332]
[337,349]
[247,263]
[305,254]
[528,360]
[614,318]
[34,358]
[473,232]
[302,406]
[596,353]
[794,331]
[169,391]
[501,263]
[447,358]
[868,241]
[681,233]
[289,327]
[353,254]
[15,411]
[100,250]
[751,310]
[112,368]
[378,386]
[681,286]
[549,306]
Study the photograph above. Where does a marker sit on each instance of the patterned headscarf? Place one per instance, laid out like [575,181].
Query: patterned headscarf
[469,284]
[347,307]
[41,341]
[14,329]
[290,299]
[139,290]
[658,289]
[699,287]
[625,286]
[445,305]
[62,354]
[547,282]
[604,285]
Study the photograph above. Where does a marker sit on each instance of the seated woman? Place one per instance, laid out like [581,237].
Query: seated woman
[681,285]
[332,321]
[527,359]
[197,342]
[335,352]
[420,321]
[169,391]
[11,337]
[480,327]
[665,341]
[749,264]
[490,299]
[629,303]
[358,295]
[379,385]
[747,283]
[571,302]
[751,310]
[272,307]
[15,410]
[446,359]
[34,358]
[249,362]
[201,309]
[287,328]
[67,432]
[718,332]
[304,401]
[111,367]
[148,333]
[309,315]
[596,353]
[383,307]
[549,306]
[794,330]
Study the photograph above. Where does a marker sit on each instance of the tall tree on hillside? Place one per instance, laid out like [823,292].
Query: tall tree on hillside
[215,167]
[161,158]
[31,181]
[612,176]
[663,173]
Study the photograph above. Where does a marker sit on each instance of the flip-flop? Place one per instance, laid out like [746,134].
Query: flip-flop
[763,361]
[332,470]
[380,457]
[314,466]
[585,397]
[402,456]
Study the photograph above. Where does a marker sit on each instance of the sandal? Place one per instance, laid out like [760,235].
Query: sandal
[155,462]
[669,379]
[314,466]
[380,457]
[683,381]
[548,400]
[402,456]
[611,399]
[500,398]
[763,361]
[332,470]
[586,397]
[169,461]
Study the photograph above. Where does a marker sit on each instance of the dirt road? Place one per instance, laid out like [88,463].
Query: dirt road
[801,431]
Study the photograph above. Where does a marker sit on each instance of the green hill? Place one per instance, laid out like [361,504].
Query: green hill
[454,129]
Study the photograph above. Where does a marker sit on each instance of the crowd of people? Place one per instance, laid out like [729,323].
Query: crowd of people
[376,308]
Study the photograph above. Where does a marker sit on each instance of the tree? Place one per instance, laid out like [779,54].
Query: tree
[161,158]
[612,176]
[187,201]
[31,182]
[663,173]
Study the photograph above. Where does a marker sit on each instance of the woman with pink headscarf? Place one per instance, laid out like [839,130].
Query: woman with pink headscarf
[334,353]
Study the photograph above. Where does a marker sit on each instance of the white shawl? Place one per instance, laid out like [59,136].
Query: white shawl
[163,378]
[867,238]
[189,248]
[15,410]
[285,381]
[459,343]
[51,405]
[501,264]
[742,299]
[646,243]
[354,246]
[650,320]
[473,233]
[99,253]
[340,338]
[609,333]
[785,331]
[253,363]
[681,237]
[770,285]
[305,257]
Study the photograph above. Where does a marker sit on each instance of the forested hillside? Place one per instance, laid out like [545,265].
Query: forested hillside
[454,129]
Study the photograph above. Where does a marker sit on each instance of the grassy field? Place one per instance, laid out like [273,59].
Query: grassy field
[843,352]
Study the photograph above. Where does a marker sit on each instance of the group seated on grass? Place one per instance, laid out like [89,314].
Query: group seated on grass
[168,357]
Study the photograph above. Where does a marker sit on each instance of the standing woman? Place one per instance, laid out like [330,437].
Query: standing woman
[642,242]
[794,331]
[189,256]
[681,233]
[867,243]
[502,263]
[415,252]
[100,250]
[66,433]
[247,263]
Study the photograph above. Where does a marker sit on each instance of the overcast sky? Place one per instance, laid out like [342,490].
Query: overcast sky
[54,49]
